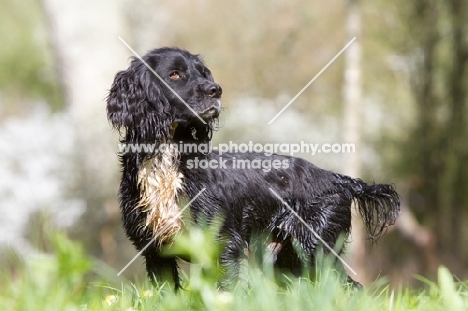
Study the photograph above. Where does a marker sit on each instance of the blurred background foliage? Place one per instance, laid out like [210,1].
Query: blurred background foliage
[26,58]
[57,163]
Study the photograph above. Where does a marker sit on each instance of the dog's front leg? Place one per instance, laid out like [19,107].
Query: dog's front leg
[162,269]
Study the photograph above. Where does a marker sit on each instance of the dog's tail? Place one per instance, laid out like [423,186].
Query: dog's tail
[378,205]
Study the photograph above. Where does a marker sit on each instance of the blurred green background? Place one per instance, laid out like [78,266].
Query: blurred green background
[58,163]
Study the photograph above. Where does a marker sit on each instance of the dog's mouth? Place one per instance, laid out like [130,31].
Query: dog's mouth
[211,112]
[208,114]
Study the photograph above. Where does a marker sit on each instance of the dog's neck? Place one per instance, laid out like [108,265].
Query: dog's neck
[160,184]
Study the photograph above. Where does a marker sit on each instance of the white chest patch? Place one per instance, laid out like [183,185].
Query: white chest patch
[160,182]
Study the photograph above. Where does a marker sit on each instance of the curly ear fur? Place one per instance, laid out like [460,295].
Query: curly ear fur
[136,103]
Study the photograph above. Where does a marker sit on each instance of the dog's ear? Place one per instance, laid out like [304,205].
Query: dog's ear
[136,102]
[127,99]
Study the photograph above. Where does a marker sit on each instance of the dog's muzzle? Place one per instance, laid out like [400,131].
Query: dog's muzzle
[213,111]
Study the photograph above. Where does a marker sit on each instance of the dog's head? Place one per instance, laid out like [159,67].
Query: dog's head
[176,93]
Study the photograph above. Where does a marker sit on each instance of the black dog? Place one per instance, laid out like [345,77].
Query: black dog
[252,201]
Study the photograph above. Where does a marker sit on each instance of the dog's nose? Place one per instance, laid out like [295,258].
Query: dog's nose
[213,90]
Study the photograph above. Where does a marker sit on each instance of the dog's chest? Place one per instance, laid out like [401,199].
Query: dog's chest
[160,184]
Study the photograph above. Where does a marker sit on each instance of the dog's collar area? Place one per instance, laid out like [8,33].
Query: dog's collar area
[174,126]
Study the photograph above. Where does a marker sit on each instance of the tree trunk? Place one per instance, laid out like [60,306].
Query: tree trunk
[352,133]
[441,142]
[84,37]
[426,140]
[456,141]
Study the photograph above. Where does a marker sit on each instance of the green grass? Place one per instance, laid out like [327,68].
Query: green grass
[69,280]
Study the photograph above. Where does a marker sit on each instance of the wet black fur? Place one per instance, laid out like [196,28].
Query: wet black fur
[145,111]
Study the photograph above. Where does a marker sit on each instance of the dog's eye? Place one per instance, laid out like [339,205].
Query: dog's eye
[174,75]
